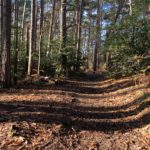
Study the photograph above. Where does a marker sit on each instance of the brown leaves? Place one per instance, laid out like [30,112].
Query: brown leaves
[73,115]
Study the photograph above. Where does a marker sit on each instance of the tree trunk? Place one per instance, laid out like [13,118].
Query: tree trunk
[23,17]
[16,42]
[89,40]
[41,32]
[34,25]
[129,5]
[27,47]
[6,43]
[1,23]
[97,37]
[63,36]
[30,38]
[80,11]
[51,24]
[63,24]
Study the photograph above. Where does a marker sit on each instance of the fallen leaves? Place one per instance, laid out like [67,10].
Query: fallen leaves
[71,115]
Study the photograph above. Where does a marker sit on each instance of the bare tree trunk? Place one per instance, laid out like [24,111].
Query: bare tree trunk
[34,25]
[23,17]
[89,41]
[1,22]
[63,24]
[16,42]
[100,54]
[6,43]
[41,32]
[130,8]
[27,47]
[30,39]
[0,16]
[76,22]
[129,5]
[63,36]
[79,33]
[51,24]
[97,37]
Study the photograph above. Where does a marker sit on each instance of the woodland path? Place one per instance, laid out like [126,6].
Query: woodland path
[76,115]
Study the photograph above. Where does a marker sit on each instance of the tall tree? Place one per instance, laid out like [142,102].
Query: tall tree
[41,35]
[23,18]
[97,36]
[79,24]
[1,20]
[6,42]
[16,42]
[89,39]
[30,37]
[34,24]
[63,24]
[51,24]
[63,35]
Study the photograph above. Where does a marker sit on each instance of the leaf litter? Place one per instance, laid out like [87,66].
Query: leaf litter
[78,115]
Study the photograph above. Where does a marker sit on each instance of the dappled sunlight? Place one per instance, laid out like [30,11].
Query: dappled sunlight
[99,107]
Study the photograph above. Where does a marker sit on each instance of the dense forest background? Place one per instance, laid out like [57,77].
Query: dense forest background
[62,37]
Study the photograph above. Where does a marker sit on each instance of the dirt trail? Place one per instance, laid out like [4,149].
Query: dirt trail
[76,115]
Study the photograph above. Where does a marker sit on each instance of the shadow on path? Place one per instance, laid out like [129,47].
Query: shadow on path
[75,87]
[85,118]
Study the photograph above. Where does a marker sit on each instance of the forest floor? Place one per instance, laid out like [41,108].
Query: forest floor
[76,114]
